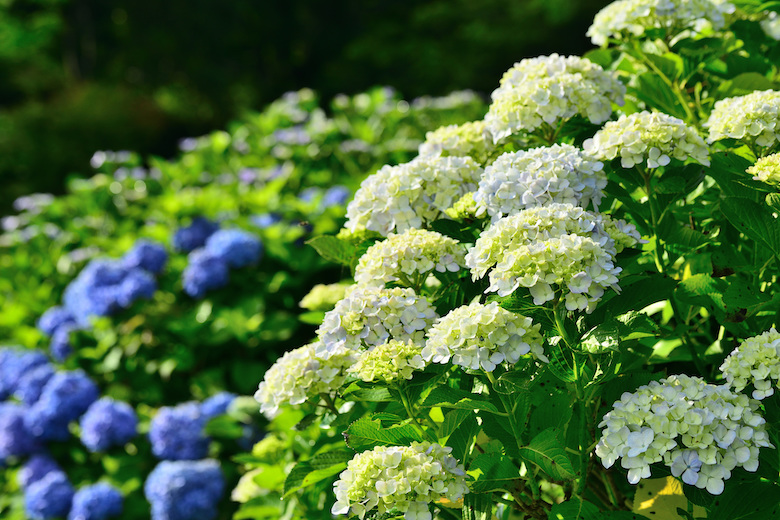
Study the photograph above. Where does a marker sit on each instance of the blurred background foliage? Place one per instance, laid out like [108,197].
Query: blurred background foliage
[83,75]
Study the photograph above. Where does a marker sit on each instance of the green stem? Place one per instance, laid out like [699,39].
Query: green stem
[413,416]
[675,88]
[329,404]
[658,249]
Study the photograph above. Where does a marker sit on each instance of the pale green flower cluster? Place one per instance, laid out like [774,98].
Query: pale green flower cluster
[753,117]
[410,195]
[472,139]
[654,137]
[557,245]
[766,169]
[479,336]
[627,18]
[408,258]
[550,89]
[756,361]
[270,449]
[389,362]
[370,316]
[465,207]
[323,297]
[771,25]
[537,177]
[402,479]
[699,430]
[301,374]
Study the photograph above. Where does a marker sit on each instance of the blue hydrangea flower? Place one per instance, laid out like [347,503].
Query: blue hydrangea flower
[15,361]
[15,438]
[96,502]
[49,497]
[265,220]
[30,385]
[65,398]
[185,490]
[335,196]
[53,319]
[309,194]
[147,255]
[60,346]
[136,285]
[195,235]
[105,286]
[204,273]
[108,423]
[176,432]
[217,404]
[235,246]
[36,467]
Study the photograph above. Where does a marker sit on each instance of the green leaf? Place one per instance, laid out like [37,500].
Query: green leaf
[652,90]
[452,420]
[311,317]
[448,397]
[749,501]
[670,64]
[637,293]
[462,438]
[754,220]
[491,472]
[548,453]
[574,509]
[370,392]
[317,468]
[703,290]
[728,171]
[224,427]
[745,84]
[460,231]
[368,432]
[334,249]
[610,334]
[477,506]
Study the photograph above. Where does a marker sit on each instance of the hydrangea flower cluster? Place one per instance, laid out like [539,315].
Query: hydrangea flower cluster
[65,398]
[652,137]
[389,362]
[369,316]
[472,139]
[323,297]
[183,490]
[96,502]
[15,362]
[537,177]
[752,117]
[408,258]
[766,169]
[699,430]
[192,237]
[464,208]
[549,89]
[482,336]
[397,198]
[303,373]
[15,437]
[50,497]
[108,423]
[36,467]
[102,288]
[208,268]
[633,17]
[559,244]
[405,479]
[755,362]
[176,432]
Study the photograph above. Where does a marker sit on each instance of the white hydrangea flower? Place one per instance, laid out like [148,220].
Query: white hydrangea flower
[301,374]
[389,362]
[323,297]
[472,139]
[753,117]
[631,18]
[536,177]
[410,195]
[556,245]
[549,89]
[409,257]
[399,478]
[652,137]
[370,316]
[771,25]
[756,361]
[766,169]
[479,336]
[699,430]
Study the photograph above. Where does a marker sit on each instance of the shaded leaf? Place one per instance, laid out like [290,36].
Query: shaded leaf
[491,472]
[548,453]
